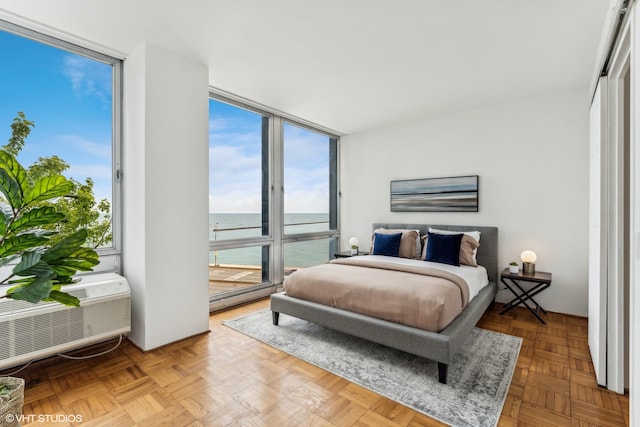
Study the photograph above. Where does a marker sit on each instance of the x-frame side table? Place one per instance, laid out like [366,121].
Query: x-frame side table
[541,281]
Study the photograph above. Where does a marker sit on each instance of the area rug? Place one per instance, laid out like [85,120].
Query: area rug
[478,378]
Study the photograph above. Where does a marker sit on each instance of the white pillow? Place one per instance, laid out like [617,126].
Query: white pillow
[474,234]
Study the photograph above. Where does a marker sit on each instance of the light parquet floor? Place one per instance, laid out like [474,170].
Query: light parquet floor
[227,379]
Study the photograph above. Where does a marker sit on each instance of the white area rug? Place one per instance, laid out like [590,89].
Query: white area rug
[477,384]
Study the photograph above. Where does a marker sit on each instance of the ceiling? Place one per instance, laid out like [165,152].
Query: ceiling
[355,65]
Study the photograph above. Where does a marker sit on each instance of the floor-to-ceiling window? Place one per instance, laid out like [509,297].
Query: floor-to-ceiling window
[272,199]
[60,113]
[239,193]
[310,202]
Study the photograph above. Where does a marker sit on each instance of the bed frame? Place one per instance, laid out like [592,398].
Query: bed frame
[438,346]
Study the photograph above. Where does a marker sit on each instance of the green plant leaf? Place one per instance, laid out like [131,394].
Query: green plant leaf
[21,242]
[11,189]
[47,188]
[64,280]
[32,289]
[20,281]
[31,265]
[86,255]
[3,222]
[64,270]
[84,259]
[63,298]
[20,129]
[45,222]
[36,217]
[15,170]
[67,269]
[65,247]
[68,256]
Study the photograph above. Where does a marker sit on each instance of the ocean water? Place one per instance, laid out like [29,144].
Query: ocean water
[225,226]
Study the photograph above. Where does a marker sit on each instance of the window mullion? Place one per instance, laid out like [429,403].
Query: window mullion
[277,201]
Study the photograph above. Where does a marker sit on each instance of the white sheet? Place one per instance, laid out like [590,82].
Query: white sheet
[476,277]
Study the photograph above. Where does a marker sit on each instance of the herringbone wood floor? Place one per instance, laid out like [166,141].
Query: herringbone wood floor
[225,378]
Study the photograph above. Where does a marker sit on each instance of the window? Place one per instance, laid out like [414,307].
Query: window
[310,186]
[272,198]
[238,179]
[72,95]
[309,181]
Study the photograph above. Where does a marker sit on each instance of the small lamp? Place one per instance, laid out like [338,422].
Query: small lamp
[354,245]
[528,262]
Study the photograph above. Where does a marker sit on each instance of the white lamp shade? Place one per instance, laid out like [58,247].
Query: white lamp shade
[353,241]
[528,256]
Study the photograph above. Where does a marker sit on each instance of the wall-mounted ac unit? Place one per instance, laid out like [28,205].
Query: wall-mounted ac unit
[33,331]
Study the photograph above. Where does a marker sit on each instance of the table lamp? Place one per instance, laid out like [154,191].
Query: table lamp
[354,245]
[528,262]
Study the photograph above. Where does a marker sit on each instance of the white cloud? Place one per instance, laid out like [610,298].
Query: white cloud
[236,186]
[220,124]
[249,140]
[306,173]
[84,145]
[305,147]
[234,180]
[89,77]
[95,172]
[236,166]
[234,203]
[306,201]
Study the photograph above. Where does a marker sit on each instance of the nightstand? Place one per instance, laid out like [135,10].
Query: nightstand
[347,254]
[512,281]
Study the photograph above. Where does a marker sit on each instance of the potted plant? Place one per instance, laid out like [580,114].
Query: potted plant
[513,267]
[33,267]
[11,401]
[41,269]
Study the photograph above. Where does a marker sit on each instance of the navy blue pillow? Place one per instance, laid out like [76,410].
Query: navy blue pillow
[386,244]
[443,248]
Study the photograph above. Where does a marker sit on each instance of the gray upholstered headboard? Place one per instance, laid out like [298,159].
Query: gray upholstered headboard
[487,252]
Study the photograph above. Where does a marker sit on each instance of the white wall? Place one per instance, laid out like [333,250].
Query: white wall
[165,186]
[532,157]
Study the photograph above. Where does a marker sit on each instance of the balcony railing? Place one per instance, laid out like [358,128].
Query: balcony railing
[217,230]
[230,277]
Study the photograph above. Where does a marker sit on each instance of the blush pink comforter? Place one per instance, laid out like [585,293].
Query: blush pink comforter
[422,297]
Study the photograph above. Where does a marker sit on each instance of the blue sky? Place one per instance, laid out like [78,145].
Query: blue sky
[235,164]
[69,99]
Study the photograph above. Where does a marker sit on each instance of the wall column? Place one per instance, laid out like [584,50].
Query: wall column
[165,188]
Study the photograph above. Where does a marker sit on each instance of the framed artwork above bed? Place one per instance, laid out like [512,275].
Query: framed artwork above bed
[447,194]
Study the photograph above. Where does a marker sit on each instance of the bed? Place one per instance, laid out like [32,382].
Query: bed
[439,346]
